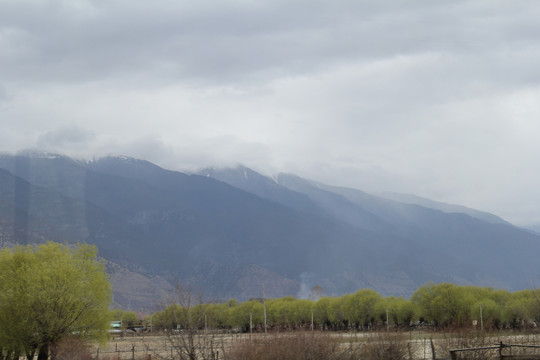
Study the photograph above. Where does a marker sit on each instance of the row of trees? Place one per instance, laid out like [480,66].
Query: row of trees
[443,305]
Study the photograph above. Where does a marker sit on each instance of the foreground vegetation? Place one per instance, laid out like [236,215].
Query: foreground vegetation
[54,296]
[47,293]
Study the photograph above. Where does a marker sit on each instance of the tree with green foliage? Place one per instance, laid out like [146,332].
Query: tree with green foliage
[47,293]
[170,318]
[337,312]
[321,312]
[289,312]
[247,314]
[217,315]
[523,308]
[397,310]
[361,306]
[422,299]
[452,305]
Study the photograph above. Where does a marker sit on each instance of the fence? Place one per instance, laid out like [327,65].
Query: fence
[502,351]
[133,353]
[138,353]
[159,346]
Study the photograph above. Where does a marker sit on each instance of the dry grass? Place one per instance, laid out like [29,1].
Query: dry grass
[285,346]
[386,346]
[291,346]
[324,345]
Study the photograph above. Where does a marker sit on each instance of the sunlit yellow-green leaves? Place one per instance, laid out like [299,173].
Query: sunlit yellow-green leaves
[50,291]
[442,304]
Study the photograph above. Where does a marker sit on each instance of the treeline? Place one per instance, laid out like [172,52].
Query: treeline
[437,305]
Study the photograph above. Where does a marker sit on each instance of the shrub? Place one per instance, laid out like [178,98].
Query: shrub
[385,346]
[292,346]
[72,349]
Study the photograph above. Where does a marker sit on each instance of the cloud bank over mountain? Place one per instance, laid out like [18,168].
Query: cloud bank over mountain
[433,98]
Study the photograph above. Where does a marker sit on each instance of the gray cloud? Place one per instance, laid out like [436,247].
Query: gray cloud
[65,137]
[4,96]
[235,41]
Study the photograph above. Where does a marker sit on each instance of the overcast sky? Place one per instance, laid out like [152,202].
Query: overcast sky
[436,98]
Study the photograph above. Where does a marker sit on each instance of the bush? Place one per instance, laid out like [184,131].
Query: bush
[385,346]
[72,349]
[292,346]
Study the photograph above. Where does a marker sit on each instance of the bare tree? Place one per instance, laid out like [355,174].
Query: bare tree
[191,339]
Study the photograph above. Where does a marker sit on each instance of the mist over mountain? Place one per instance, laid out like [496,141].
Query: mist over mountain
[534,228]
[448,208]
[230,231]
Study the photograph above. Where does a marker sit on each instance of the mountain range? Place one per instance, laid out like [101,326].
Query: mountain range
[228,232]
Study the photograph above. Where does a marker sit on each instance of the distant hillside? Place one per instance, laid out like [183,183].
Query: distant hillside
[228,232]
[448,208]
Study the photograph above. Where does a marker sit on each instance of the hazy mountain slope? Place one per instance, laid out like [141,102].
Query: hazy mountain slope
[448,208]
[298,196]
[339,206]
[451,247]
[53,171]
[54,216]
[264,187]
[457,235]
[31,215]
[228,220]
[38,210]
[394,264]
[288,241]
